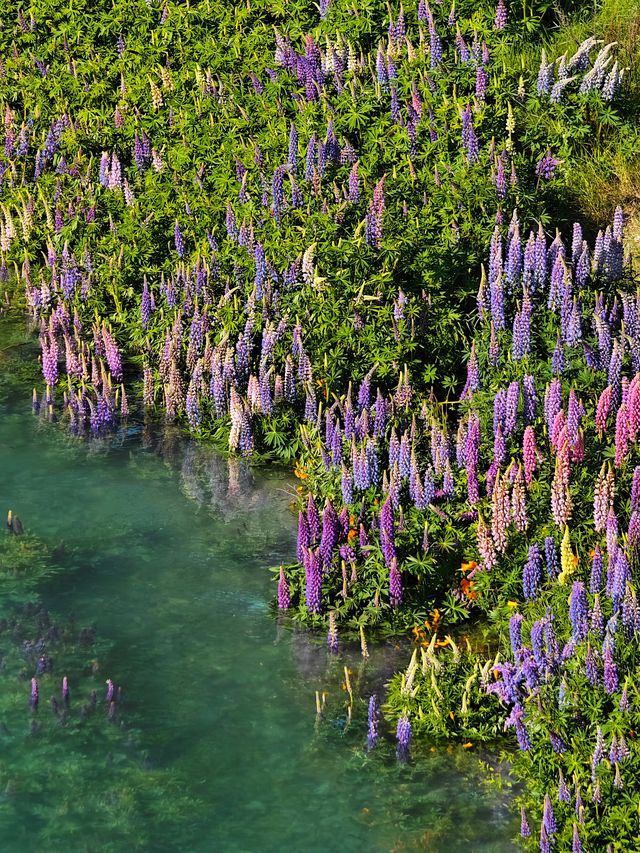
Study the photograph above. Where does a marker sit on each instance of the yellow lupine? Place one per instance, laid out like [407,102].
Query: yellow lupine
[568,561]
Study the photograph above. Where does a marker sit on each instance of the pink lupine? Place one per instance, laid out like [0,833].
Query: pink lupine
[559,426]
[622,435]
[633,407]
[602,410]
[529,454]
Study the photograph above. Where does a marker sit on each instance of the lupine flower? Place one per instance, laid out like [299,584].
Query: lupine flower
[403,738]
[372,720]
[595,583]
[518,502]
[531,572]
[395,584]
[548,818]
[610,668]
[525,830]
[515,633]
[529,454]
[624,701]
[501,16]
[501,513]
[284,600]
[591,666]
[66,696]
[578,612]
[546,166]
[35,696]
[597,619]
[313,572]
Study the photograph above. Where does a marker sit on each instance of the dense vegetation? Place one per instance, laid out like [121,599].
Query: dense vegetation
[343,237]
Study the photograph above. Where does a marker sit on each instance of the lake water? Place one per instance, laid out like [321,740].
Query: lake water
[164,546]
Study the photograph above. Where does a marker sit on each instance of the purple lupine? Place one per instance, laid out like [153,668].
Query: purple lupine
[595,582]
[374,216]
[578,612]
[145,305]
[564,794]
[292,158]
[313,573]
[178,240]
[330,534]
[597,619]
[284,600]
[435,44]
[530,398]
[548,816]
[591,667]
[403,738]
[525,829]
[372,722]
[531,572]
[354,183]
[395,584]
[557,744]
[511,407]
[469,138]
[515,633]
[546,166]
[610,669]
[66,695]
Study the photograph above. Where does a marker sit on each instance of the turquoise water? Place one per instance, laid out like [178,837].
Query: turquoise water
[164,546]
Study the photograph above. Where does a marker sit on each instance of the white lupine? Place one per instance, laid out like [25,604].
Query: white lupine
[307,264]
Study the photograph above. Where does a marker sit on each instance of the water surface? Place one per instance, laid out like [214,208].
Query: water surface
[164,546]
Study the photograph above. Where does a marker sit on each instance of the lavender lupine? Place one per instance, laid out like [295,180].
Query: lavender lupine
[500,21]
